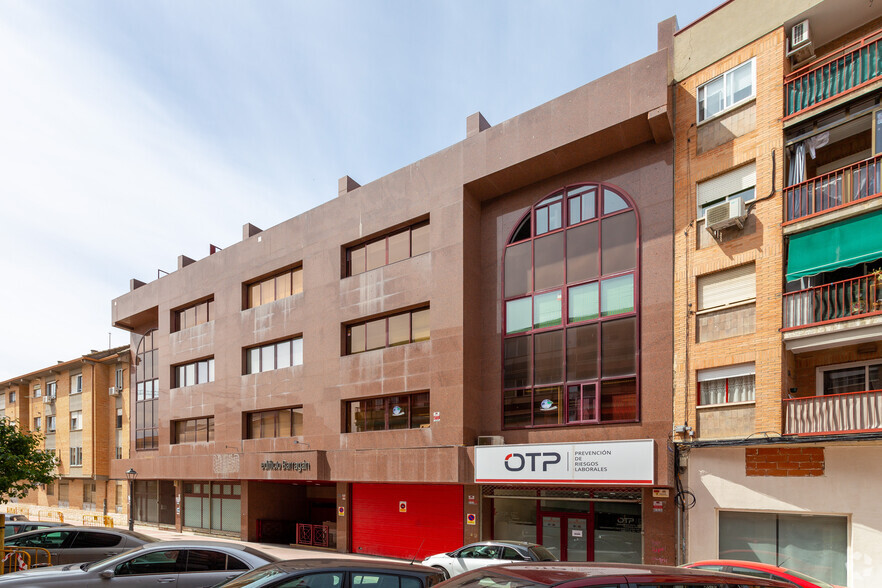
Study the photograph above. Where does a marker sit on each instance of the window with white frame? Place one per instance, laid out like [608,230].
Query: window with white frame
[38,423]
[76,420]
[850,378]
[120,379]
[737,183]
[37,391]
[76,456]
[274,356]
[76,384]
[197,372]
[726,385]
[51,388]
[727,288]
[726,91]
[50,424]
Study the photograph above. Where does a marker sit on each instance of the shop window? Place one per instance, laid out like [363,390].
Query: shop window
[283,422]
[726,91]
[389,331]
[726,385]
[197,372]
[275,287]
[195,314]
[194,430]
[726,304]
[390,248]
[570,311]
[409,411]
[274,356]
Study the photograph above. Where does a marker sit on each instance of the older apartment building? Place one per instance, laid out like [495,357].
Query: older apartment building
[475,346]
[81,408]
[778,293]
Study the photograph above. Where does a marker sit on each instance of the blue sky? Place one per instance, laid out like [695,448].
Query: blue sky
[133,132]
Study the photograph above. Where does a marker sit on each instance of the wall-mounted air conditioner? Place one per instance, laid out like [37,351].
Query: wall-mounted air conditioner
[726,214]
[799,45]
[48,399]
[113,391]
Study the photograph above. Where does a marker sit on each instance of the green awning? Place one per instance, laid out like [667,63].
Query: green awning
[841,244]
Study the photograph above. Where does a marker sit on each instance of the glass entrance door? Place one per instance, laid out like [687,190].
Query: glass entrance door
[577,539]
[551,536]
[568,537]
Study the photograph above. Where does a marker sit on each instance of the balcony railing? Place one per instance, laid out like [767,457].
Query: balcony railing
[837,188]
[833,413]
[833,302]
[851,67]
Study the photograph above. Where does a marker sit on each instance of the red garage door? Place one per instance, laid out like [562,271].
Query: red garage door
[400,520]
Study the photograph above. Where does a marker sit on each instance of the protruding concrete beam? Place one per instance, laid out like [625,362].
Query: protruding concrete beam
[475,124]
[134,284]
[184,261]
[666,30]
[660,124]
[249,230]
[346,185]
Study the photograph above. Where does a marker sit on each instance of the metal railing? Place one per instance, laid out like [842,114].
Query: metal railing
[839,73]
[833,413]
[833,302]
[316,535]
[837,188]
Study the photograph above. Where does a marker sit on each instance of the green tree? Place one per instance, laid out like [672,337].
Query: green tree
[23,465]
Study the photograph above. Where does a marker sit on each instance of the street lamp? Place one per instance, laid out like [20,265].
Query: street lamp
[130,476]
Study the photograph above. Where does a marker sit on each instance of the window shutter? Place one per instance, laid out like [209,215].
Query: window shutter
[727,287]
[731,182]
[729,371]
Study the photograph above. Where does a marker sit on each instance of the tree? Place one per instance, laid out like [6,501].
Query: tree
[23,465]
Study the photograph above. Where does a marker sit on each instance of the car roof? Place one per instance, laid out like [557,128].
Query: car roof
[45,524]
[506,542]
[351,563]
[745,564]
[126,532]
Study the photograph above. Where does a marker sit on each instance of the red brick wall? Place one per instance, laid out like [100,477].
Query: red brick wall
[784,461]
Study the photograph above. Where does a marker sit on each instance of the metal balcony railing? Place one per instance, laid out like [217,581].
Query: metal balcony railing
[843,71]
[833,413]
[833,302]
[837,188]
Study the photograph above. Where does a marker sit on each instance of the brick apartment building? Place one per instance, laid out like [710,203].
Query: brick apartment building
[475,346]
[81,408]
[778,302]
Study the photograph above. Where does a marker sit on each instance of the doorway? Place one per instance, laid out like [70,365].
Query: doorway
[569,537]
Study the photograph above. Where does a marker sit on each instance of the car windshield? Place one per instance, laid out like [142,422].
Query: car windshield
[820,583]
[486,579]
[542,554]
[259,577]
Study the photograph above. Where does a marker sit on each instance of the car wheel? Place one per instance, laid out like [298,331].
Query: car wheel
[443,571]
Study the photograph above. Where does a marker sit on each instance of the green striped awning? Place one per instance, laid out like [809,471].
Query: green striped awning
[840,244]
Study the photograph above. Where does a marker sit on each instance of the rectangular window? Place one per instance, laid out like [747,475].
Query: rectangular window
[50,489]
[76,384]
[120,378]
[397,329]
[198,372]
[146,409]
[409,411]
[119,454]
[37,391]
[119,418]
[76,420]
[850,378]
[283,422]
[11,397]
[738,183]
[275,287]
[50,424]
[38,423]
[735,383]
[194,430]
[89,495]
[274,356]
[76,456]
[51,388]
[396,246]
[726,304]
[195,314]
[727,91]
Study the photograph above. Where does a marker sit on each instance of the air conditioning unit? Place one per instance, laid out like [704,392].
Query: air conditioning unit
[725,215]
[799,45]
[48,399]
[491,440]
[113,391]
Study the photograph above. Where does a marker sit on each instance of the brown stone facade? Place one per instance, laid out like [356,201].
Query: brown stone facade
[784,461]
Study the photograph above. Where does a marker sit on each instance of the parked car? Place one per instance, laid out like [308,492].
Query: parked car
[68,545]
[761,570]
[562,574]
[16,527]
[487,553]
[337,573]
[16,517]
[183,564]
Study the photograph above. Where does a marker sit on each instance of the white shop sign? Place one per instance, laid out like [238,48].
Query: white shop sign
[608,462]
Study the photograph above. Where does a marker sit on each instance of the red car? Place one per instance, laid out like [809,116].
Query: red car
[760,570]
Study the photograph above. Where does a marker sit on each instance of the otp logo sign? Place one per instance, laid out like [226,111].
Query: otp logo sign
[516,462]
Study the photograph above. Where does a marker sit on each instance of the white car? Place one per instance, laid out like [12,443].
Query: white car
[487,553]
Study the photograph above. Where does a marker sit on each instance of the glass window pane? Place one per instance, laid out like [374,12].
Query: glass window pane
[617,295]
[211,429]
[283,285]
[575,210]
[297,415]
[711,99]
[516,408]
[399,246]
[548,357]
[190,374]
[356,338]
[267,358]
[420,325]
[517,362]
[211,370]
[399,329]
[254,295]
[398,409]
[547,409]
[845,380]
[739,85]
[252,361]
[190,316]
[582,353]
[618,400]
[201,430]
[546,309]
[582,260]
[549,260]
[374,414]
[375,334]
[267,291]
[518,269]
[612,202]
[619,243]
[581,398]
[297,281]
[618,347]
[541,221]
[202,372]
[180,378]
[419,239]
[589,204]
[283,354]
[582,302]
[285,423]
[419,410]
[254,425]
[376,254]
[199,316]
[269,424]
[297,351]
[190,431]
[518,315]
[210,310]
[356,260]
[555,216]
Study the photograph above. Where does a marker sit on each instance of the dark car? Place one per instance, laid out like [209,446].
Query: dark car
[16,527]
[182,564]
[68,545]
[337,573]
[606,575]
[487,553]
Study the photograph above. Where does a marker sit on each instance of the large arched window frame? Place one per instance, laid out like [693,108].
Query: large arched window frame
[571,316]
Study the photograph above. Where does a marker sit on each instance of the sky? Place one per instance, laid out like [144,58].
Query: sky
[134,132]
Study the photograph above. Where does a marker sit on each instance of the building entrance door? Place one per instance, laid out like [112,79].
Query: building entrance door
[570,537]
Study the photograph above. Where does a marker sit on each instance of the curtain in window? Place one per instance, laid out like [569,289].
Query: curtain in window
[797,164]
[713,392]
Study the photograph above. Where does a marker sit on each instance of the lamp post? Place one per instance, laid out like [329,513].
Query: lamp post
[131,474]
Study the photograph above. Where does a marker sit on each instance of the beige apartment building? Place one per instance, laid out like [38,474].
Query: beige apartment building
[778,297]
[81,408]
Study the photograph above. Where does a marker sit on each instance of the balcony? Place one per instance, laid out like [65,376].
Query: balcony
[839,188]
[833,413]
[844,71]
[839,301]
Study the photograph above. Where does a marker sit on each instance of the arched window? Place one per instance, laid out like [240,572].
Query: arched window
[570,311]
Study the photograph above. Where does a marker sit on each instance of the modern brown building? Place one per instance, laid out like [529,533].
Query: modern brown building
[81,408]
[475,346]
